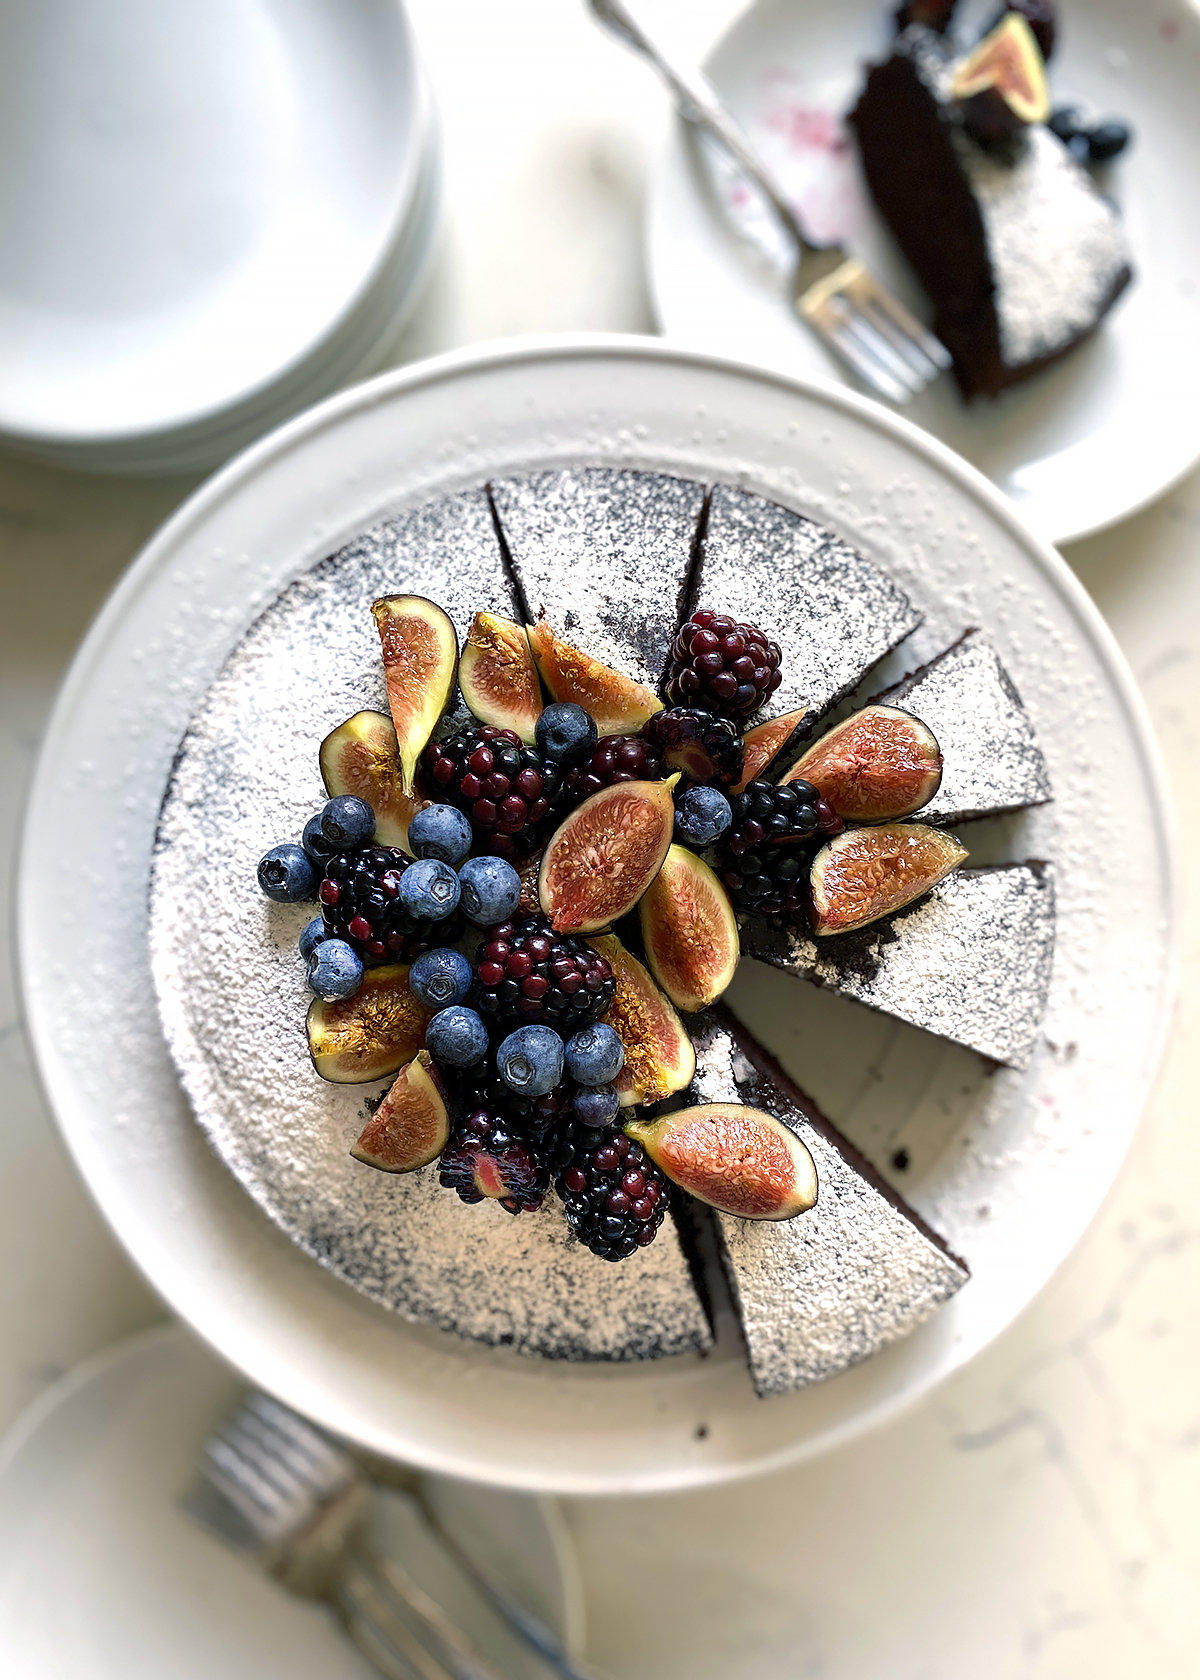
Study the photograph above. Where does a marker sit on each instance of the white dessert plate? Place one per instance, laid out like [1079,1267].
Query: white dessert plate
[1081,445]
[103,1574]
[1010,1167]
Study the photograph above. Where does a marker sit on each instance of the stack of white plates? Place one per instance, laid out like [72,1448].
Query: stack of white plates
[210,216]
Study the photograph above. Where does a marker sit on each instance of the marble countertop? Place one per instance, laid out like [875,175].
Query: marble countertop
[1038,1515]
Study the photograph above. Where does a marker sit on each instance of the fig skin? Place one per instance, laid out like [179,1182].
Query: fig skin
[739,1160]
[768,741]
[660,1058]
[420,659]
[866,873]
[1010,61]
[411,1126]
[879,765]
[361,757]
[689,931]
[601,858]
[618,705]
[370,1035]
[498,678]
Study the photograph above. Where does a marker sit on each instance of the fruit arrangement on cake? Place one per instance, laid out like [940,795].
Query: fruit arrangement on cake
[612,761]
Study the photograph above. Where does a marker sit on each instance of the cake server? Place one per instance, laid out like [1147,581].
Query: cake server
[832,291]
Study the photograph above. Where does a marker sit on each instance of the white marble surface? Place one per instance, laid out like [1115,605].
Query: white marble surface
[1040,1514]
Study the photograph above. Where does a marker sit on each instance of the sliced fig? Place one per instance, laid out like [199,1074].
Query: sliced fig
[1010,61]
[689,931]
[411,1126]
[361,757]
[865,873]
[763,744]
[660,1059]
[878,765]
[497,676]
[619,705]
[600,861]
[370,1035]
[740,1160]
[420,656]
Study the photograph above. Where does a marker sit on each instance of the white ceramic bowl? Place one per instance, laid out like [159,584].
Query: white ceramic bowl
[1011,1167]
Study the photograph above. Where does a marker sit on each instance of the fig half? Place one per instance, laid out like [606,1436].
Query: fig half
[740,1160]
[689,931]
[660,1058]
[865,873]
[420,656]
[497,676]
[619,705]
[601,859]
[878,765]
[1009,61]
[763,744]
[361,757]
[411,1126]
[370,1035]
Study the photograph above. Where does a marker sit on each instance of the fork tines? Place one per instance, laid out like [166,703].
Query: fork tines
[885,345]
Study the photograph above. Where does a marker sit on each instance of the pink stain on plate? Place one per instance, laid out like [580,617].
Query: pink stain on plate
[809,130]
[1169,29]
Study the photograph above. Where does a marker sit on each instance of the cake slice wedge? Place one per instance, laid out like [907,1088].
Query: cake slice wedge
[821,1292]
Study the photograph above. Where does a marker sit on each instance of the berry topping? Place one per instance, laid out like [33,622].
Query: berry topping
[360,902]
[765,854]
[347,822]
[440,831]
[728,668]
[1106,140]
[457,1037]
[286,874]
[614,1196]
[596,1105]
[530,1060]
[315,844]
[505,788]
[311,936]
[617,758]
[482,1087]
[565,733]
[440,978]
[484,1159]
[702,816]
[490,890]
[335,971]
[429,890]
[526,972]
[704,747]
[595,1055]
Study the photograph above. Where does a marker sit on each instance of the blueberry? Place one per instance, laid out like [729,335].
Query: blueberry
[335,971]
[596,1105]
[429,890]
[594,1055]
[440,978]
[491,890]
[286,874]
[347,822]
[312,936]
[1080,148]
[315,844]
[440,831]
[1106,140]
[530,1060]
[1065,122]
[565,733]
[457,1037]
[701,815]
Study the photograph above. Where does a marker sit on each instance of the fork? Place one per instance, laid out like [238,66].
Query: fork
[834,292]
[275,1486]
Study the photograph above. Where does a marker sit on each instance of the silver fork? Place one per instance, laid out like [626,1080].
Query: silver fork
[273,1485]
[835,293]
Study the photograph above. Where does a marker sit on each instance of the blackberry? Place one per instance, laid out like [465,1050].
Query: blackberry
[730,669]
[360,903]
[526,1117]
[526,974]
[617,758]
[615,1197]
[704,747]
[485,1158]
[764,857]
[505,788]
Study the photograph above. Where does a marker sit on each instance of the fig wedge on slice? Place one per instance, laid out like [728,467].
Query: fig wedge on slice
[370,1035]
[361,757]
[740,1160]
[660,1059]
[878,765]
[865,873]
[689,931]
[1009,61]
[601,859]
[411,1126]
[420,656]
[619,705]
[764,743]
[497,676]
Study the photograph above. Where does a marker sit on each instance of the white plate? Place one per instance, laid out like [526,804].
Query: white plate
[1010,1167]
[103,1575]
[194,204]
[1083,444]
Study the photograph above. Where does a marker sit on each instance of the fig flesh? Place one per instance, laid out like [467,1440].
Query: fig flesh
[498,678]
[619,705]
[879,765]
[411,1126]
[601,859]
[740,1160]
[766,742]
[370,1035]
[420,657]
[866,873]
[361,757]
[660,1059]
[689,931]
[1010,61]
